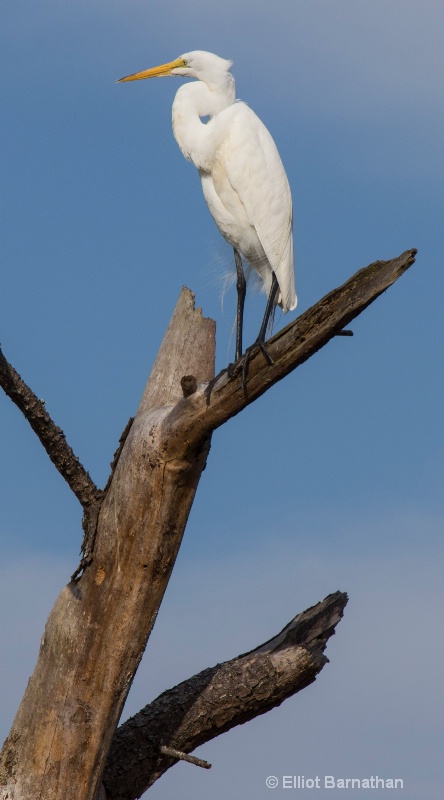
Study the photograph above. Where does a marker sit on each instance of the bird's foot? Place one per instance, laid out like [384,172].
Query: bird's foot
[240,365]
[245,359]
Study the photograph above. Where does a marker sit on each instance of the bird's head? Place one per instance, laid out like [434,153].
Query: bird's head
[198,64]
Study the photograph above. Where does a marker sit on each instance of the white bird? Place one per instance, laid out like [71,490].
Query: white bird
[243,178]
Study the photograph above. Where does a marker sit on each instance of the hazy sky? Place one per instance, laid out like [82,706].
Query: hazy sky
[334,479]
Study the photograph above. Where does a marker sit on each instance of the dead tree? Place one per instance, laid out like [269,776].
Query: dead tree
[64,742]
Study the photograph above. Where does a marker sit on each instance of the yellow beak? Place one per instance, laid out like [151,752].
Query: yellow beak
[155,72]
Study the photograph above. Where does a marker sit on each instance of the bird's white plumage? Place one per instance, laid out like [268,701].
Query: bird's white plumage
[243,179]
[248,195]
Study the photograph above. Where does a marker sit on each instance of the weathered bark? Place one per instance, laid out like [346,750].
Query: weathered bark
[218,699]
[98,628]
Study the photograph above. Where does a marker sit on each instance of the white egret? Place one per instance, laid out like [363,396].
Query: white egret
[243,179]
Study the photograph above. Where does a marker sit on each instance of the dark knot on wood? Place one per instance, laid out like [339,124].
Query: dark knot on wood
[188,384]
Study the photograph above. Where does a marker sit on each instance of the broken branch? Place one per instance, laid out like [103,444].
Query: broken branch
[219,698]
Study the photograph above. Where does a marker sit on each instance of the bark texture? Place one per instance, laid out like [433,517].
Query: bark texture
[220,698]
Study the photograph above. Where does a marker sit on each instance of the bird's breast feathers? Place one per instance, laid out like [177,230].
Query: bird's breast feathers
[249,196]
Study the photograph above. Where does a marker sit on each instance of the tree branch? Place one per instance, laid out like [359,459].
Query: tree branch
[218,699]
[289,348]
[59,451]
[181,756]
[50,435]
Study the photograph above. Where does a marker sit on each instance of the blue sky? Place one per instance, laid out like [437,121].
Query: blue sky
[334,479]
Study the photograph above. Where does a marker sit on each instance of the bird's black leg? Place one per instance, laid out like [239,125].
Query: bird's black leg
[260,341]
[270,305]
[241,286]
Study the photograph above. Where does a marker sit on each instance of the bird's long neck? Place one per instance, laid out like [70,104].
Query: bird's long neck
[196,139]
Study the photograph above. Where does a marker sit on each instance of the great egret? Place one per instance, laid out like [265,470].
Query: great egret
[243,179]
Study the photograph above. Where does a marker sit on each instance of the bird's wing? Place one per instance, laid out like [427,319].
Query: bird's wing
[256,173]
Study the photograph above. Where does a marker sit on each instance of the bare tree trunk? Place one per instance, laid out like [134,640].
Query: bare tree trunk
[98,628]
[97,631]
